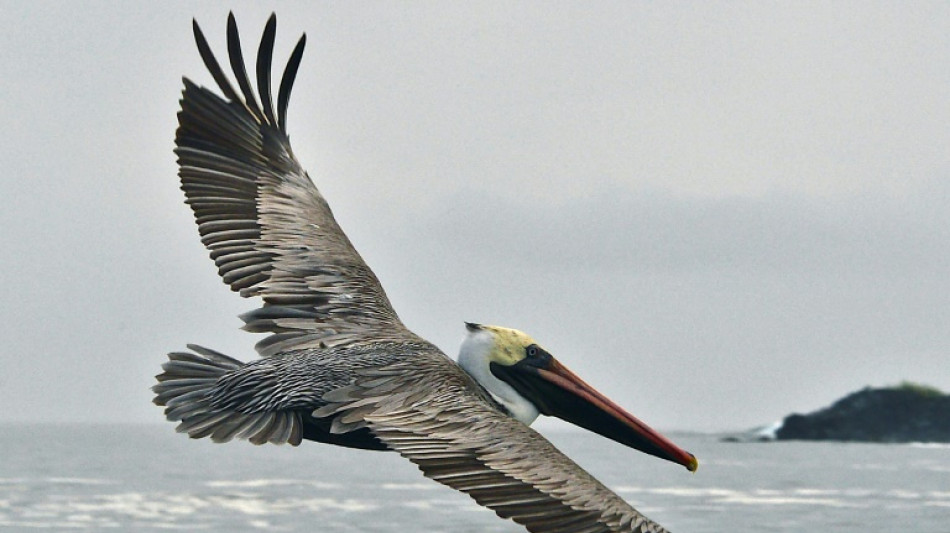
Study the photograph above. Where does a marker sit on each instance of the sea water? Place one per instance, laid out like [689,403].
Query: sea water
[148,478]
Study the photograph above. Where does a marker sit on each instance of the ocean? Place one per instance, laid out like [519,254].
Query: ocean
[148,478]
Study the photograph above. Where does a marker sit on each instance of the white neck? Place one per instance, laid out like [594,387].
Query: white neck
[474,357]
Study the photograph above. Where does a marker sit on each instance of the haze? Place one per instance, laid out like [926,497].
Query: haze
[716,213]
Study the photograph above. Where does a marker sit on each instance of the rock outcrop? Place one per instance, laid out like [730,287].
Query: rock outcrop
[906,413]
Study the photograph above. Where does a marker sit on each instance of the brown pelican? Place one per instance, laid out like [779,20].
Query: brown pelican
[338,365]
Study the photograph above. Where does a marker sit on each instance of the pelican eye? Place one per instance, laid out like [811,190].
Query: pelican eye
[532,350]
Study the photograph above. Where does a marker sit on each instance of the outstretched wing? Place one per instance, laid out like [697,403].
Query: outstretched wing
[269,231]
[433,414]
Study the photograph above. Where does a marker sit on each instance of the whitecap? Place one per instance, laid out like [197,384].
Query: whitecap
[409,486]
[930,445]
[817,492]
[321,504]
[770,431]
[136,505]
[938,503]
[259,483]
[749,499]
[418,504]
[904,494]
[691,491]
[78,481]
[678,491]
[40,524]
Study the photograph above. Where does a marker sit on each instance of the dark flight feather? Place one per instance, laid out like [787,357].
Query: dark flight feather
[287,82]
[240,73]
[265,56]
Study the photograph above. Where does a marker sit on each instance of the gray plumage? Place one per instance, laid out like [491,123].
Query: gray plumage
[338,365]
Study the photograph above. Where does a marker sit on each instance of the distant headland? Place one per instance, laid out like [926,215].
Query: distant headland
[909,412]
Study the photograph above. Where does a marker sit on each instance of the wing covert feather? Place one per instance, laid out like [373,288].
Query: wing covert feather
[267,227]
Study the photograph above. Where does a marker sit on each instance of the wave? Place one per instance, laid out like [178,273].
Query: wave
[78,481]
[937,503]
[800,496]
[261,506]
[410,486]
[219,509]
[261,483]
[805,496]
[930,445]
[161,510]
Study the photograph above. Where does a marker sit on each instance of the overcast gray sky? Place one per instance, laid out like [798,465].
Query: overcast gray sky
[717,213]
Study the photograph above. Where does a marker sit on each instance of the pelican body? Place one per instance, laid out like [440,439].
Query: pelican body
[339,366]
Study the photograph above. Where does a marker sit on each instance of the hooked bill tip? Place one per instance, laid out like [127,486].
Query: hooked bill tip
[471,326]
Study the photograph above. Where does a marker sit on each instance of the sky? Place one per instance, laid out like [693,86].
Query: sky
[716,213]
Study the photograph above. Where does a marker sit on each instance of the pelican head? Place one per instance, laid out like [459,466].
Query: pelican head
[528,381]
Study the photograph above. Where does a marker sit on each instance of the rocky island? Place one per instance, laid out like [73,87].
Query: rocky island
[908,412]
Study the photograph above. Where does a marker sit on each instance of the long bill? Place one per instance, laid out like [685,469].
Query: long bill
[556,391]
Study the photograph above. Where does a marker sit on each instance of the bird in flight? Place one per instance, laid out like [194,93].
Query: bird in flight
[339,366]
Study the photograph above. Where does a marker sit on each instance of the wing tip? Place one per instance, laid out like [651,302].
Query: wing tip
[265,111]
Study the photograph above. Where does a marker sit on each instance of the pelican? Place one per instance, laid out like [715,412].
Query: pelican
[339,366]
